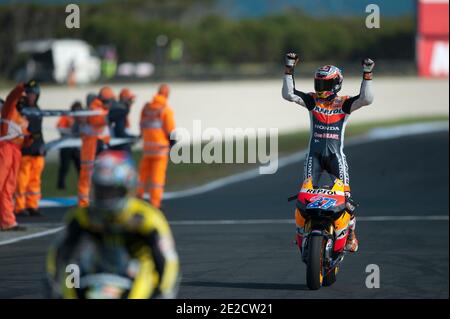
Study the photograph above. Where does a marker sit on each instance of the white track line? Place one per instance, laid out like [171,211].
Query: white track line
[35,235]
[403,218]
[291,221]
[374,135]
[245,222]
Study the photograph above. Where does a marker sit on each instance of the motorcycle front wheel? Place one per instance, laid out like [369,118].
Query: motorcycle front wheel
[314,269]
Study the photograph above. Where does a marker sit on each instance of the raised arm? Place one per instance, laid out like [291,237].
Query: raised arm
[288,91]
[365,96]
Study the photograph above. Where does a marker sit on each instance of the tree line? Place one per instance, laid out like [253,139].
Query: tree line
[209,38]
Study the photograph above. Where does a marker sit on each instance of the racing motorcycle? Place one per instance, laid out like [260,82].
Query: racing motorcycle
[323,207]
[104,272]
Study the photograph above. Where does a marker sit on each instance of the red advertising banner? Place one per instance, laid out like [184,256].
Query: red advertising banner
[432,57]
[432,38]
[433,18]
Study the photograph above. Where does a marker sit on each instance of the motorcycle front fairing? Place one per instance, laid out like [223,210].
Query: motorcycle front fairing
[321,201]
[324,209]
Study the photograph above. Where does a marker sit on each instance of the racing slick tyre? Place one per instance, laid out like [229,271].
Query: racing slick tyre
[314,269]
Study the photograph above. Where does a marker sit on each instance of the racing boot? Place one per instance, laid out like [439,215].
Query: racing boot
[300,227]
[350,204]
[352,242]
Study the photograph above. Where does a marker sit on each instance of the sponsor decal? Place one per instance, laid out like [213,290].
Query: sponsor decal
[326,127]
[309,167]
[341,169]
[327,136]
[322,202]
[321,110]
[320,191]
[341,233]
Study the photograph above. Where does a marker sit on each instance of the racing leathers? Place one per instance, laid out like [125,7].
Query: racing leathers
[328,119]
[141,229]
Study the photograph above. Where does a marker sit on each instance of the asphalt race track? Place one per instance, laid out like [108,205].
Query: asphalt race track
[257,259]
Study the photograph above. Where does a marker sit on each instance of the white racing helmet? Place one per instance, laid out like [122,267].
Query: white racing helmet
[114,180]
[327,81]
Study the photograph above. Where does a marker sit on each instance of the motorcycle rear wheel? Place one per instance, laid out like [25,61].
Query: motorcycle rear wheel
[314,269]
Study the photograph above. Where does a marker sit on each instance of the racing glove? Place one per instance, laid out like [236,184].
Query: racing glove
[290,61]
[368,66]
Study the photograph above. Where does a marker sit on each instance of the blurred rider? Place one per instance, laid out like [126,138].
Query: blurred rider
[95,137]
[157,123]
[329,115]
[116,218]
[32,163]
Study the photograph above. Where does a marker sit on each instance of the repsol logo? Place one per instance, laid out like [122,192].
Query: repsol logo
[320,191]
[327,111]
[326,128]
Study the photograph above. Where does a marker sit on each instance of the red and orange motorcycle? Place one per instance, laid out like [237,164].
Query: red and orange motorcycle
[322,220]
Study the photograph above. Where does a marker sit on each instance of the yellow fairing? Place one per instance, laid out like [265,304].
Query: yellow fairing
[342,222]
[299,220]
[152,220]
[170,275]
[68,293]
[307,184]
[146,279]
[338,186]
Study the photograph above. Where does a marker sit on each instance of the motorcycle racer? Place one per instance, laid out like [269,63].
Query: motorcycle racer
[329,114]
[116,219]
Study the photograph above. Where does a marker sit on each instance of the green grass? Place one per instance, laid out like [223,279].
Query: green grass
[181,176]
